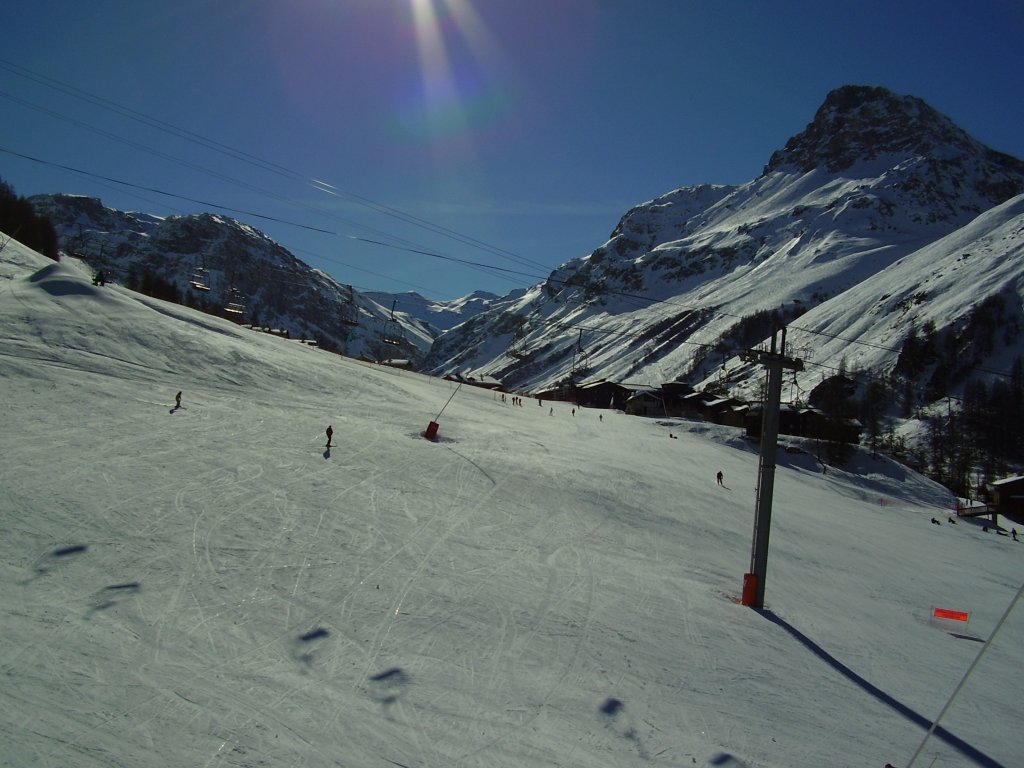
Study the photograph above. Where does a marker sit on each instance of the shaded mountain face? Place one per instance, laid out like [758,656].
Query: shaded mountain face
[689,279]
[235,264]
[238,263]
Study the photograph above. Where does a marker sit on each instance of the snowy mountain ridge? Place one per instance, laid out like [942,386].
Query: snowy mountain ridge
[435,316]
[873,179]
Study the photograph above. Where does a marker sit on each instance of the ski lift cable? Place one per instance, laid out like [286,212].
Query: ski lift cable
[168,194]
[150,150]
[256,161]
[436,255]
[133,114]
[193,166]
[967,674]
[490,269]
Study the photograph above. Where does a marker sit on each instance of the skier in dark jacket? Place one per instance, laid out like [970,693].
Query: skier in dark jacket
[330,434]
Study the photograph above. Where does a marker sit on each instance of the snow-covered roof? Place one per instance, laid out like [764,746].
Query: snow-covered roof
[1008,480]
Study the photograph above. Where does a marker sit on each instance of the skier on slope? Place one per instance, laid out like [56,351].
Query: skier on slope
[330,434]
[719,478]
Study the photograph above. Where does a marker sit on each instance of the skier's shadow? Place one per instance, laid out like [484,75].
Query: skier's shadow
[327,453]
[387,687]
[618,721]
[307,645]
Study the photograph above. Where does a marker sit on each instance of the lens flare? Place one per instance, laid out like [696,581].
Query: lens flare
[458,88]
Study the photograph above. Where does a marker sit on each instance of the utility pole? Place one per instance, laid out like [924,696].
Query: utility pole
[775,361]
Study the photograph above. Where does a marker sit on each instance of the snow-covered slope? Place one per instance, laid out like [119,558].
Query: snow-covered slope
[941,284]
[211,586]
[871,183]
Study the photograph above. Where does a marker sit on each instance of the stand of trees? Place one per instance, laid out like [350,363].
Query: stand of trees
[975,439]
[151,284]
[19,220]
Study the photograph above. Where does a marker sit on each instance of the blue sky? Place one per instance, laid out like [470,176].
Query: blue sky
[488,132]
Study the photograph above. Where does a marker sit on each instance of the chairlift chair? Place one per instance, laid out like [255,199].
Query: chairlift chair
[393,332]
[200,280]
[349,314]
[235,304]
[517,348]
[580,359]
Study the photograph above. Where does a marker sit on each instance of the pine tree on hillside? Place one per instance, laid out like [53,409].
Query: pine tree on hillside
[19,220]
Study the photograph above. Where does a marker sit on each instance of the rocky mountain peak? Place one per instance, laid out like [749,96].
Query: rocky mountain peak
[860,122]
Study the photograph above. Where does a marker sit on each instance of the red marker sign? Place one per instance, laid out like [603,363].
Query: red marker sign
[946,613]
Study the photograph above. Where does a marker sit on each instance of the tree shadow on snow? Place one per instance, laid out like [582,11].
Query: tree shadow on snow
[961,746]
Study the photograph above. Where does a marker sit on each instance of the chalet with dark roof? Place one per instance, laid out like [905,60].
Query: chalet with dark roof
[1006,497]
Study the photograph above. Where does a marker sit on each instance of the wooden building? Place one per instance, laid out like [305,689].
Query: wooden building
[602,393]
[1006,497]
[647,402]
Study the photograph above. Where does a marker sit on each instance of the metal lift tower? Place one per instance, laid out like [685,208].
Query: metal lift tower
[775,361]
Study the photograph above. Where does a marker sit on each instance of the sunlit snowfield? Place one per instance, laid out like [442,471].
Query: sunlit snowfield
[212,586]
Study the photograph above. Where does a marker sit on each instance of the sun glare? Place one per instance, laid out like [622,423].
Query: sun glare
[438,82]
[456,57]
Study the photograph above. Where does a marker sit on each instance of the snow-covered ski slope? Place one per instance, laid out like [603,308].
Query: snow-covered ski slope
[210,587]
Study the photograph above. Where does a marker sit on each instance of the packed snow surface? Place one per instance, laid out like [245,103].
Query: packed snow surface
[211,585]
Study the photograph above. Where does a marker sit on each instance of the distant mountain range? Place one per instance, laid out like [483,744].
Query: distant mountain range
[880,222]
[210,261]
[435,316]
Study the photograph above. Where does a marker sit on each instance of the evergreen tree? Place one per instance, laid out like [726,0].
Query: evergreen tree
[19,220]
